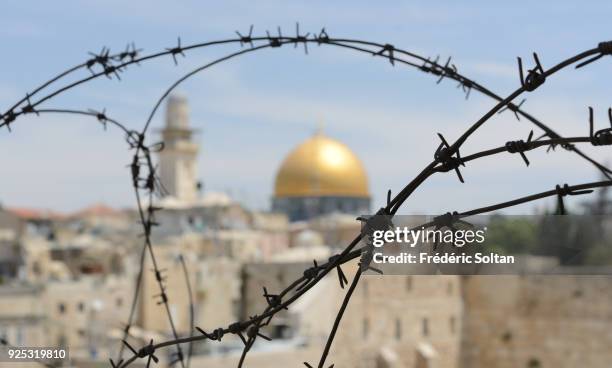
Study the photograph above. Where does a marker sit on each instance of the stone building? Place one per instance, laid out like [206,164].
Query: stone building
[78,314]
[537,321]
[78,295]
[435,321]
[23,319]
[215,286]
[11,250]
[85,313]
[392,321]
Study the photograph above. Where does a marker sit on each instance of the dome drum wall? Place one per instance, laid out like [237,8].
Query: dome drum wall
[178,159]
[304,208]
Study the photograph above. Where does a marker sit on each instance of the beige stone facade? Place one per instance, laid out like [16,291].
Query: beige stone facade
[23,321]
[86,313]
[537,321]
[215,284]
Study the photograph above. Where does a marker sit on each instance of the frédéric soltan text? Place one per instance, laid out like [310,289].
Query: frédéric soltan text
[412,237]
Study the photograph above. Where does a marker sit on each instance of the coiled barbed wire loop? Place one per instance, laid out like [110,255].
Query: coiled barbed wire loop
[446,158]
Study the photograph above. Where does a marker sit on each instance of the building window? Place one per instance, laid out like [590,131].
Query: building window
[81,307]
[365,328]
[425,327]
[453,324]
[398,329]
[61,307]
[409,283]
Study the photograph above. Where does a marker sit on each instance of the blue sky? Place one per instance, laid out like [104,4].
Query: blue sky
[253,110]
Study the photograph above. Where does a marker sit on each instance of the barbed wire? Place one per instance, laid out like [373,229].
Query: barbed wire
[132,55]
[446,158]
[191,308]
[321,270]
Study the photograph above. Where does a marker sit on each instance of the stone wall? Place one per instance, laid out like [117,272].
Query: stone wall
[537,321]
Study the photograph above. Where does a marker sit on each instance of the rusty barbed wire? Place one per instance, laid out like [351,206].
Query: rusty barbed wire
[446,158]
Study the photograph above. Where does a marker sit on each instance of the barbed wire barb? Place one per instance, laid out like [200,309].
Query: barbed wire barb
[274,41]
[111,70]
[244,39]
[322,37]
[520,147]
[102,59]
[176,50]
[130,53]
[447,70]
[309,274]
[303,38]
[466,87]
[8,118]
[535,77]
[603,136]
[389,49]
[101,116]
[565,190]
[29,108]
[446,158]
[448,162]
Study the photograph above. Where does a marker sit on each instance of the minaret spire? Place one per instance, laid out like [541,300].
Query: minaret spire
[178,171]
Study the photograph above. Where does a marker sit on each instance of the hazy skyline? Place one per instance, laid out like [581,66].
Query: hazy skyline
[253,110]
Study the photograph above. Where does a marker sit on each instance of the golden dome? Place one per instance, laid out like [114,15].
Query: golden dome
[321,166]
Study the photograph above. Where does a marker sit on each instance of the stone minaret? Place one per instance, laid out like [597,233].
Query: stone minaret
[177,161]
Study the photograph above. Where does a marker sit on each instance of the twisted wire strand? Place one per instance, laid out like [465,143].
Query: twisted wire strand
[398,200]
[444,160]
[356,253]
[427,66]
[191,309]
